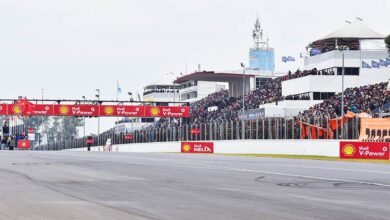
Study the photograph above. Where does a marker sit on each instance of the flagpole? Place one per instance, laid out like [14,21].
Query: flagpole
[342,94]
[117,97]
[117,90]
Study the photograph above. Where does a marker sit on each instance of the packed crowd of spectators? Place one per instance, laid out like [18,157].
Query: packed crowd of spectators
[225,107]
[297,97]
[357,100]
[220,106]
[160,91]
[346,45]
[299,73]
[349,46]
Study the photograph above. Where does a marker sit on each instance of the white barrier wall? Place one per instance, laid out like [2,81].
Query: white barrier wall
[292,147]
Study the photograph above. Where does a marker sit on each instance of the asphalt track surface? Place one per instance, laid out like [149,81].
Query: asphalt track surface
[103,185]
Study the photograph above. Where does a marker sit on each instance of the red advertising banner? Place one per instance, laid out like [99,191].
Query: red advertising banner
[30,130]
[87,110]
[195,131]
[3,109]
[167,111]
[122,110]
[43,110]
[23,144]
[14,109]
[197,147]
[128,137]
[364,150]
[76,110]
[90,141]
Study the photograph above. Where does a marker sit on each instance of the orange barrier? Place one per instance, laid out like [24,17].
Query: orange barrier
[375,129]
[314,132]
[336,123]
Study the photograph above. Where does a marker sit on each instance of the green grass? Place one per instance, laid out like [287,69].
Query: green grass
[311,158]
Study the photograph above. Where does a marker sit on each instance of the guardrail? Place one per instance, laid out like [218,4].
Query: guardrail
[267,129]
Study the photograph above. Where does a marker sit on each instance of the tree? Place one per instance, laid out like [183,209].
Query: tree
[62,128]
[70,125]
[387,42]
[53,129]
[35,122]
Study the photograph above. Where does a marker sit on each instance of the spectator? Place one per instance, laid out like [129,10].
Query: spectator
[359,99]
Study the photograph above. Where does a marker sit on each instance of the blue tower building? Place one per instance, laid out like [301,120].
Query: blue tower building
[261,56]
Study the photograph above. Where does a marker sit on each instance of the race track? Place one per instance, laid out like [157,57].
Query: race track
[102,185]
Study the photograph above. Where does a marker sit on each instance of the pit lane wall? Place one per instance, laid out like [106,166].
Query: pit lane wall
[289,147]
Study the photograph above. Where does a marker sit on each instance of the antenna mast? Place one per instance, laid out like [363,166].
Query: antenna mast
[257,35]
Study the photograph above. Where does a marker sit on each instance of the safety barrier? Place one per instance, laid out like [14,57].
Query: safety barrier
[261,129]
[287,147]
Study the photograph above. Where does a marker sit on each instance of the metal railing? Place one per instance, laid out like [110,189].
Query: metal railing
[267,128]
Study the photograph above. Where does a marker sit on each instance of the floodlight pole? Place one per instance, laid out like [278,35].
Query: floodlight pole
[84,119]
[98,98]
[342,93]
[243,101]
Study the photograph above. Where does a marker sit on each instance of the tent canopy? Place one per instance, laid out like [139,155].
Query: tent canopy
[355,30]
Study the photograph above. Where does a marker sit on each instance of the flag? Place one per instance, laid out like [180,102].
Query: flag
[315,51]
[290,58]
[118,88]
[374,64]
[287,59]
[365,65]
[382,62]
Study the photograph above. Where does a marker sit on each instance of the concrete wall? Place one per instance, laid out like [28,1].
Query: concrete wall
[292,147]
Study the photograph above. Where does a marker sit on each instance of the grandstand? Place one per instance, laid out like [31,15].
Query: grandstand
[281,106]
[354,44]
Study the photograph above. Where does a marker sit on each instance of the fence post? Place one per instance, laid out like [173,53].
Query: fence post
[292,128]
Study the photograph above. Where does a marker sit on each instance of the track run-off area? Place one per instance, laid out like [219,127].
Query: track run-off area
[113,185]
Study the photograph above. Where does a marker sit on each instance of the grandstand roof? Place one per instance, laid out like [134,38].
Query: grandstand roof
[211,76]
[355,30]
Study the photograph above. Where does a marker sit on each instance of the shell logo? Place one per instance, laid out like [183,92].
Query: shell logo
[64,110]
[108,110]
[349,150]
[154,111]
[16,109]
[186,148]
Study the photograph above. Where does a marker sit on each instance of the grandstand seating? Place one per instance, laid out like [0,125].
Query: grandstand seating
[357,100]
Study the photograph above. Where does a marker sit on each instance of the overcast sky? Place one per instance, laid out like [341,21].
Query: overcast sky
[71,47]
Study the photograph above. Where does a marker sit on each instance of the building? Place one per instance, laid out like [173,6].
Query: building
[261,56]
[162,90]
[198,85]
[354,46]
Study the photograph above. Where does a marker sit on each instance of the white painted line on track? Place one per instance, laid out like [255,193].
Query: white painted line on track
[198,166]
[262,164]
[182,163]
